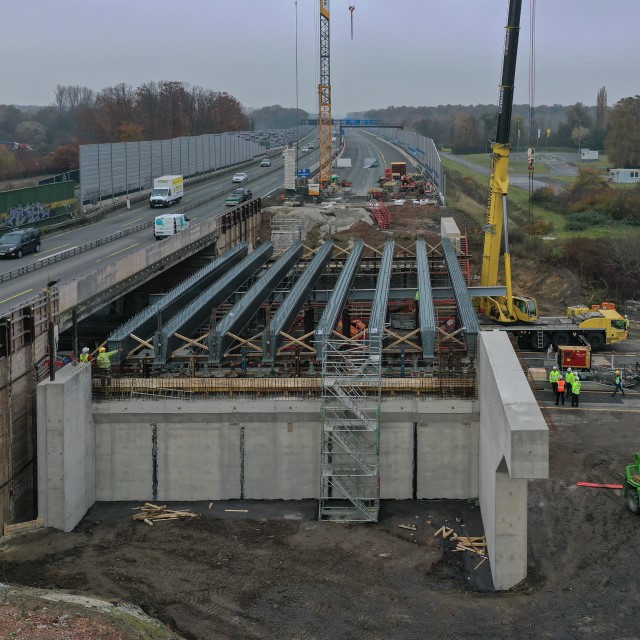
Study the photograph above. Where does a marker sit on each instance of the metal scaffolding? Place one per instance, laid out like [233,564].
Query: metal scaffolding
[350,447]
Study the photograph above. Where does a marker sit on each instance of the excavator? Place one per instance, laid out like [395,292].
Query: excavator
[509,308]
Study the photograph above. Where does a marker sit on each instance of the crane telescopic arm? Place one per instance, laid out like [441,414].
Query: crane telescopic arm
[508,308]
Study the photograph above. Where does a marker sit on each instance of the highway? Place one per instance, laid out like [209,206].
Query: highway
[262,180]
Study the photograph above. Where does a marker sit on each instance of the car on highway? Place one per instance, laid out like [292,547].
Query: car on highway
[304,149]
[240,177]
[16,243]
[265,163]
[238,196]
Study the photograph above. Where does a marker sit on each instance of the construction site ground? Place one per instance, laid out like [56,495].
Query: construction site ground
[270,570]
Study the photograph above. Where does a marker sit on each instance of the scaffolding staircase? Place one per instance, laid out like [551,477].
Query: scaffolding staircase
[350,448]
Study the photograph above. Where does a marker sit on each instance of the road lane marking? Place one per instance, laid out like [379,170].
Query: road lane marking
[16,296]
[131,222]
[117,252]
[54,249]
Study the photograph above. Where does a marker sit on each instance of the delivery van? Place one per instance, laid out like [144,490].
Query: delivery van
[169,224]
[166,190]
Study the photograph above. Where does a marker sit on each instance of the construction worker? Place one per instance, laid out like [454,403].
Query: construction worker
[618,383]
[627,324]
[554,374]
[576,388]
[84,356]
[104,364]
[569,377]
[560,385]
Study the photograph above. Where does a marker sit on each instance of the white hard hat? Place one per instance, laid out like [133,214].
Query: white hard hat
[569,369]
[554,366]
[85,350]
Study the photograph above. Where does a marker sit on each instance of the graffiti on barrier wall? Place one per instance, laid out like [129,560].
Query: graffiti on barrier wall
[26,214]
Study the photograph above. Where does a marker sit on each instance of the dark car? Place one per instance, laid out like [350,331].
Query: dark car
[265,163]
[16,243]
[238,196]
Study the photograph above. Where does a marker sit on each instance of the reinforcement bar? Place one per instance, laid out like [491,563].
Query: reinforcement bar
[466,312]
[197,312]
[426,312]
[338,298]
[381,297]
[289,309]
[250,302]
[144,323]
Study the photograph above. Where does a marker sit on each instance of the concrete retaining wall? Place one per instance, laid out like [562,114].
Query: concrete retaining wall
[66,452]
[270,449]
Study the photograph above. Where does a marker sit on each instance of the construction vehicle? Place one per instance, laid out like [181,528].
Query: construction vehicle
[518,313]
[398,169]
[631,487]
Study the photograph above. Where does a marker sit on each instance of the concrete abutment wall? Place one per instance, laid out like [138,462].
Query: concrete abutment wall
[268,448]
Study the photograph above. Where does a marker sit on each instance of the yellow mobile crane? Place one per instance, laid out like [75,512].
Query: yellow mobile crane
[597,326]
[509,308]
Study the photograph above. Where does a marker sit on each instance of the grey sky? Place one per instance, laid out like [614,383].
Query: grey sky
[404,52]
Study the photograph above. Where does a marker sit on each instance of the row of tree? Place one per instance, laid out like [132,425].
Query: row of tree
[121,113]
[470,129]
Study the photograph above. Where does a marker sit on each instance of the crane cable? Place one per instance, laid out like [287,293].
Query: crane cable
[532,97]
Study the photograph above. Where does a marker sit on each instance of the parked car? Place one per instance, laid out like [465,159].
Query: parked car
[265,163]
[238,196]
[240,177]
[16,243]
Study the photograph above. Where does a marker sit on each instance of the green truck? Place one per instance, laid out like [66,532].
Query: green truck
[631,487]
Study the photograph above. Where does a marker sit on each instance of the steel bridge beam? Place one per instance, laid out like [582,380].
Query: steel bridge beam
[144,323]
[196,313]
[338,298]
[381,298]
[426,311]
[466,312]
[250,302]
[288,311]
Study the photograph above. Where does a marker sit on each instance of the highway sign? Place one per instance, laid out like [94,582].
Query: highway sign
[304,173]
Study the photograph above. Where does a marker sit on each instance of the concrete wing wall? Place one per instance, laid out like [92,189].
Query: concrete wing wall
[66,454]
[514,448]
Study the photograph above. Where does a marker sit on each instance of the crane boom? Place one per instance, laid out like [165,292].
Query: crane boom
[509,308]
[324,97]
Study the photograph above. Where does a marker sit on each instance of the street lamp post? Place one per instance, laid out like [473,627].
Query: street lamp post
[579,138]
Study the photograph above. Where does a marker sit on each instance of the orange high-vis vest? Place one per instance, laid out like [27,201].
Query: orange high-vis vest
[560,386]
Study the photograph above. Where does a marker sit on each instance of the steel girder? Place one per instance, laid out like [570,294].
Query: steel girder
[291,305]
[466,312]
[197,312]
[338,299]
[144,323]
[250,302]
[381,298]
[426,311]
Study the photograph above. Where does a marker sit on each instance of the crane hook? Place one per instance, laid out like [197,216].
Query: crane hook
[352,9]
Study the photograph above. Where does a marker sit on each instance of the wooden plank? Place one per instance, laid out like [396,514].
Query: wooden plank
[30,525]
[484,559]
[237,510]
[411,527]
[438,532]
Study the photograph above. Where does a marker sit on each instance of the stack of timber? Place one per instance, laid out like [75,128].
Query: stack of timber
[150,513]
[474,544]
[22,527]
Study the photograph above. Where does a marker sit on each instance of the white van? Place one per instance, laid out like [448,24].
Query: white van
[170,223]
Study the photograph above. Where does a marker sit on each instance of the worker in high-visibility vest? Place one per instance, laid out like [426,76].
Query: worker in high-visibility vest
[554,374]
[84,356]
[569,377]
[575,394]
[560,391]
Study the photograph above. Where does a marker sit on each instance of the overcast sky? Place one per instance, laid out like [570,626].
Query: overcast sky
[403,52]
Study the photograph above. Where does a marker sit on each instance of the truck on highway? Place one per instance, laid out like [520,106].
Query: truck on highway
[166,190]
[598,326]
[169,224]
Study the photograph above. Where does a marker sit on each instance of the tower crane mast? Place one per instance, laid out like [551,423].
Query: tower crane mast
[324,98]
